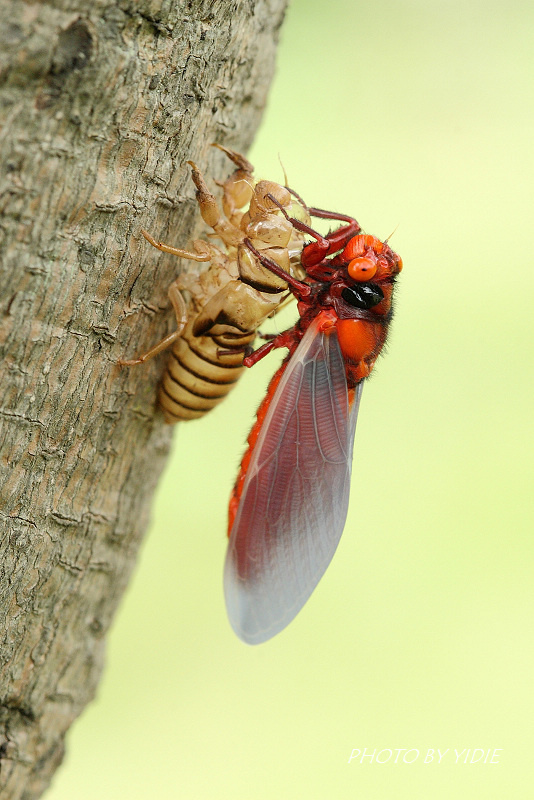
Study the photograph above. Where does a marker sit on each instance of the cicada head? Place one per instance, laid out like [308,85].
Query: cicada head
[369,271]
[368,258]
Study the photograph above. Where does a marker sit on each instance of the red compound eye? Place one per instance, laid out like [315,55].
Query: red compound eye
[362,269]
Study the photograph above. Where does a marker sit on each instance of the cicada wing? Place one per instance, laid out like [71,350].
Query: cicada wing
[295,497]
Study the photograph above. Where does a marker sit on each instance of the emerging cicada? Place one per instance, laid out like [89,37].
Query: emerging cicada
[290,500]
[231,299]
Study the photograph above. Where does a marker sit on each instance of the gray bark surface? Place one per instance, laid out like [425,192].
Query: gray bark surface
[101,104]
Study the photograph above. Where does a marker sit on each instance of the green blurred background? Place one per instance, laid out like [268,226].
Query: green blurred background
[417,114]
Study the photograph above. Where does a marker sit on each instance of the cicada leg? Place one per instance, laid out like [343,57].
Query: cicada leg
[242,163]
[180,310]
[287,339]
[336,239]
[210,211]
[239,187]
[313,254]
[175,296]
[299,288]
[201,254]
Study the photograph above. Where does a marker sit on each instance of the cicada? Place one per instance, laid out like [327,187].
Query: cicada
[289,504]
[234,295]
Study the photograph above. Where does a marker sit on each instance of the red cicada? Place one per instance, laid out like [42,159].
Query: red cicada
[289,504]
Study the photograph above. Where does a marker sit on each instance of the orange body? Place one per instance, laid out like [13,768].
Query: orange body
[361,342]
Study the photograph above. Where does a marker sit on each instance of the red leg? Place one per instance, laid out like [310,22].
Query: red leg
[299,198]
[322,271]
[285,339]
[299,288]
[322,214]
[321,245]
[258,354]
[314,253]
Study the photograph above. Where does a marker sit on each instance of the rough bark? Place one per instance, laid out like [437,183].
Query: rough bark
[101,103]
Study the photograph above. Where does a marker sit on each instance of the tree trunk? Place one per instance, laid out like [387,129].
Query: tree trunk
[101,104]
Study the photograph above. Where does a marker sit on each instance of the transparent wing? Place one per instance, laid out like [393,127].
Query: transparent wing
[295,497]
